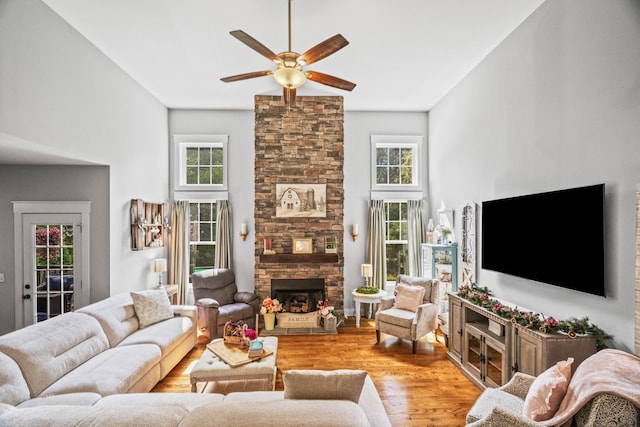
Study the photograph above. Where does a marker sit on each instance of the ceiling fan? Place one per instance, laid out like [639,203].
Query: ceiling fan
[289,72]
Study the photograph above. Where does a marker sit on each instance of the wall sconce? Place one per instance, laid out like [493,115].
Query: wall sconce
[366,271]
[159,266]
[243,231]
[354,231]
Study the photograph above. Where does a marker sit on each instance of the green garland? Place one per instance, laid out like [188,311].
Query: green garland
[481,296]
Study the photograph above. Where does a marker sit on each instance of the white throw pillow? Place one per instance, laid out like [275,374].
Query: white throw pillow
[547,391]
[151,306]
[409,297]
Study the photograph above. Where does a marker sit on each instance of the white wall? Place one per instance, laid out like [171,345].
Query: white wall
[239,125]
[59,92]
[555,106]
[358,127]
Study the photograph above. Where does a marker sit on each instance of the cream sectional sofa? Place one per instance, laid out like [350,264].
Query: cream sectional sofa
[98,348]
[95,367]
[251,408]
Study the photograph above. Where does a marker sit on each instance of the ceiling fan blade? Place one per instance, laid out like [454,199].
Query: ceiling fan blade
[246,76]
[323,49]
[289,96]
[255,45]
[328,80]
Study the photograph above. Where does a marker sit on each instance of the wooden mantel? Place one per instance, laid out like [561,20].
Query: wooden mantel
[299,258]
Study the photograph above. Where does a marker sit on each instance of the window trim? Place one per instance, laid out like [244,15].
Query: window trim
[402,141]
[181,143]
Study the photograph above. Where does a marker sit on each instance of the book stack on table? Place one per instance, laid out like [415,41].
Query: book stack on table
[255,348]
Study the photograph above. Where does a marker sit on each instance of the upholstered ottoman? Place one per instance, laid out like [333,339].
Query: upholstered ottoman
[211,368]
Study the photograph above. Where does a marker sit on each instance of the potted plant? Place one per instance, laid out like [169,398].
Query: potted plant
[330,246]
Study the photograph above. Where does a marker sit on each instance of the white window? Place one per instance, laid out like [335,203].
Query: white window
[202,235]
[395,162]
[200,162]
[396,238]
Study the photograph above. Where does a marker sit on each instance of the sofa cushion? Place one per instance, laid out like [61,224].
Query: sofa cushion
[408,297]
[166,335]
[547,391]
[188,401]
[13,387]
[282,413]
[341,384]
[152,306]
[394,316]
[87,399]
[77,415]
[122,369]
[116,315]
[61,344]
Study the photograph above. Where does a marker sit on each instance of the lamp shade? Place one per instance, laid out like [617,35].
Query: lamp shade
[367,270]
[289,77]
[159,265]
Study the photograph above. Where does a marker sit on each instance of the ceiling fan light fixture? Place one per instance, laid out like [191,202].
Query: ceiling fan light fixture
[290,78]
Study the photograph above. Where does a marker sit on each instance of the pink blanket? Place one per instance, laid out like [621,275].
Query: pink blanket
[608,371]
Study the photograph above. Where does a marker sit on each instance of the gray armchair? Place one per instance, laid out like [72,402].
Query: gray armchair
[218,301]
[406,324]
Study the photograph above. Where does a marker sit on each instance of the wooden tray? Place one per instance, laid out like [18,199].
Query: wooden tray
[232,354]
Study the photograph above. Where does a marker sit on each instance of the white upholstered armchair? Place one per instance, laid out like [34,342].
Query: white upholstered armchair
[412,312]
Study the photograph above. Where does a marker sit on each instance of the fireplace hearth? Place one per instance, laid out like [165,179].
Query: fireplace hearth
[298,295]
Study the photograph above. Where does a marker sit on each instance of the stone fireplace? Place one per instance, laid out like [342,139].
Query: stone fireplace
[298,295]
[301,145]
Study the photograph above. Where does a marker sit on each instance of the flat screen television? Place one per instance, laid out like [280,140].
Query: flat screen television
[555,237]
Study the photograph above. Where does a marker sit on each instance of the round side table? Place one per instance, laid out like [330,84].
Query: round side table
[368,299]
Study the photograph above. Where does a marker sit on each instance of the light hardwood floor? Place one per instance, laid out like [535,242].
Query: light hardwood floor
[422,389]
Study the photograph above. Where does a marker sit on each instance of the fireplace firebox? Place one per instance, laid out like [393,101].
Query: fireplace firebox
[298,295]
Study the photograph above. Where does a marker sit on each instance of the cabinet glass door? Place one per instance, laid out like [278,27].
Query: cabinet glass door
[474,351]
[495,359]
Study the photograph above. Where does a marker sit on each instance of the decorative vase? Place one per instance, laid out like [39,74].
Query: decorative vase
[269,321]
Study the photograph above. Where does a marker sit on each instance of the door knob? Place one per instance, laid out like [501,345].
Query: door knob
[27,296]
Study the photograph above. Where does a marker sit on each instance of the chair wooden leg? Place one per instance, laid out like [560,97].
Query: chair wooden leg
[415,346]
[378,336]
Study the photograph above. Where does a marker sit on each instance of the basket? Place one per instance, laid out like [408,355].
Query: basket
[234,333]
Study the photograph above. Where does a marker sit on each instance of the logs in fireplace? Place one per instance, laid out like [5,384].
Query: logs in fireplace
[298,295]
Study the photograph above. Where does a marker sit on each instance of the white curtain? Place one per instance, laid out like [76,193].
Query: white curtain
[223,235]
[178,273]
[376,249]
[416,233]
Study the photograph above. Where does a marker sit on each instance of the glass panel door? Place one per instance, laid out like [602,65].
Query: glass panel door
[54,269]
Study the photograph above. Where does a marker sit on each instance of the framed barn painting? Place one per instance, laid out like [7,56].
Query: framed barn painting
[301,200]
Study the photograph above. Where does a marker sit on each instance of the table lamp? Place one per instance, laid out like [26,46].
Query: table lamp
[159,266]
[367,272]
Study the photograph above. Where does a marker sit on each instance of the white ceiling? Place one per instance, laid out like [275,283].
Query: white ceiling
[404,55]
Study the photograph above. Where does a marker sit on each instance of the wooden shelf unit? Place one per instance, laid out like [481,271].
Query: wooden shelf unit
[490,359]
[148,225]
